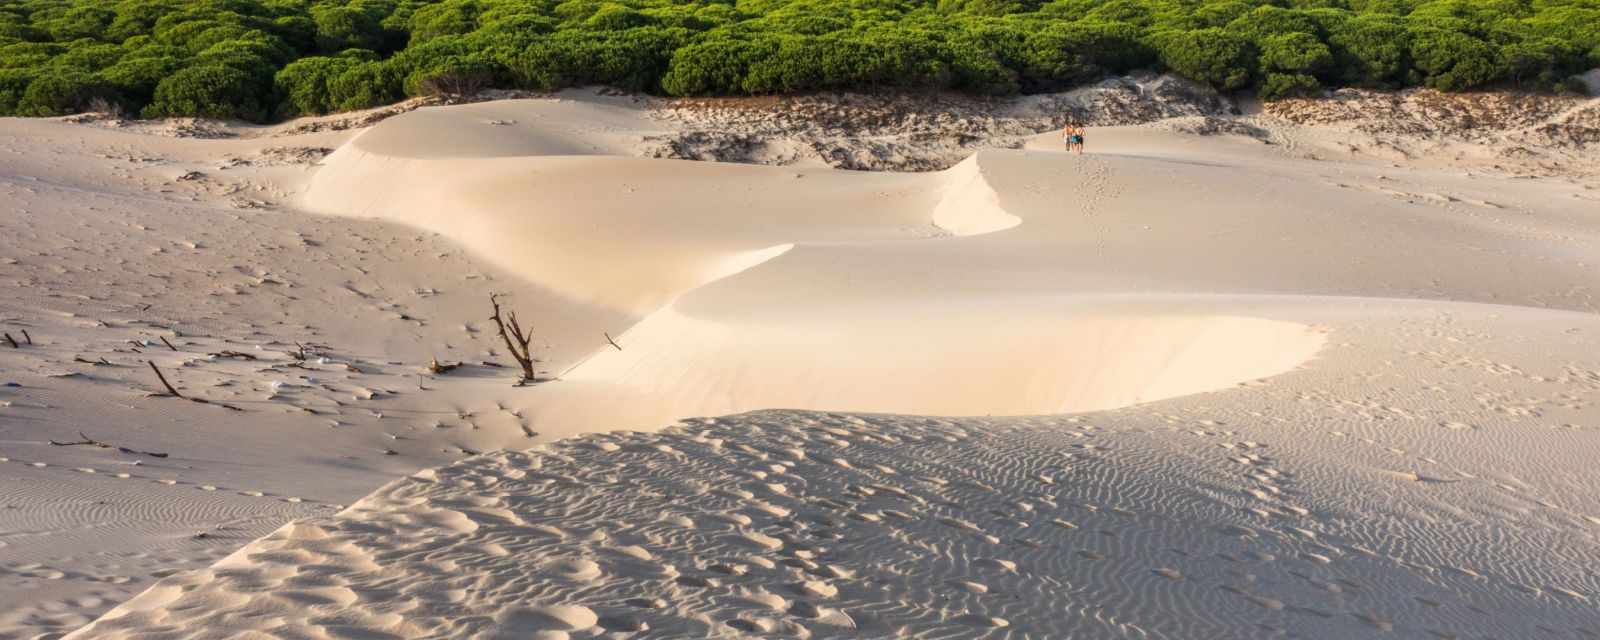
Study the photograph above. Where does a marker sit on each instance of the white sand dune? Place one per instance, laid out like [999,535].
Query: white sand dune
[1329,399]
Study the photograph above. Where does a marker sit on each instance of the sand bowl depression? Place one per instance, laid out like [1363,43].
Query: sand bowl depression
[776,296]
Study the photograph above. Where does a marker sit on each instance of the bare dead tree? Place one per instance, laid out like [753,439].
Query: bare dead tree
[516,339]
[88,441]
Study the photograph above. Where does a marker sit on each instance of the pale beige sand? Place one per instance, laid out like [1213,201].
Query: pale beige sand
[1379,451]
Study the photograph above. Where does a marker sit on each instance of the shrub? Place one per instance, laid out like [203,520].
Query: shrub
[713,67]
[1289,85]
[134,79]
[1212,56]
[1452,61]
[60,92]
[13,83]
[1295,53]
[363,86]
[340,28]
[213,91]
[304,84]
[1372,52]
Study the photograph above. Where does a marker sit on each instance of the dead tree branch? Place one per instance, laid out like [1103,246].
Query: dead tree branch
[516,339]
[170,389]
[88,441]
[173,391]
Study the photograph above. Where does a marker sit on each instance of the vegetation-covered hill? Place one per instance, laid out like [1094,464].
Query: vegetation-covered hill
[264,59]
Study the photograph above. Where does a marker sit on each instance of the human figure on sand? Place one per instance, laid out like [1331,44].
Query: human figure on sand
[1072,136]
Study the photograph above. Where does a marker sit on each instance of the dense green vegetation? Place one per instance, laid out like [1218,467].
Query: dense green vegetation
[264,59]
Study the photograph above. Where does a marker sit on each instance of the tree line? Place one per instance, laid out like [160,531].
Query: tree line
[262,60]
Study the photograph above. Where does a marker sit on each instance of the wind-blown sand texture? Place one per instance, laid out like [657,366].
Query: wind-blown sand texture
[1276,394]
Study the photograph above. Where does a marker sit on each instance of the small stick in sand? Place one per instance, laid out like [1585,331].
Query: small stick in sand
[13,342]
[234,354]
[169,344]
[300,352]
[613,342]
[27,337]
[516,339]
[86,440]
[170,390]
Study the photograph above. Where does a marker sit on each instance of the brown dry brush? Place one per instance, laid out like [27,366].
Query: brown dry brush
[516,338]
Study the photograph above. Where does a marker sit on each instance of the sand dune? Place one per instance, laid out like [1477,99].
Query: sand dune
[1290,396]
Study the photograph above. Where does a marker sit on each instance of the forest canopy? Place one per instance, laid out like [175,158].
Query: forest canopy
[266,59]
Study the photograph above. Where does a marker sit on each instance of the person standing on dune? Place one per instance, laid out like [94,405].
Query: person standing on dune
[1072,135]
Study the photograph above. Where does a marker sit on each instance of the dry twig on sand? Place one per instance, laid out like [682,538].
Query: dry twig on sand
[169,344]
[300,352]
[173,391]
[170,390]
[234,354]
[13,341]
[27,337]
[613,342]
[516,339]
[88,441]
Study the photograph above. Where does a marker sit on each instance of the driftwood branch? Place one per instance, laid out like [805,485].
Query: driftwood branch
[27,337]
[170,389]
[13,341]
[234,354]
[173,391]
[613,342]
[88,441]
[516,339]
[169,344]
